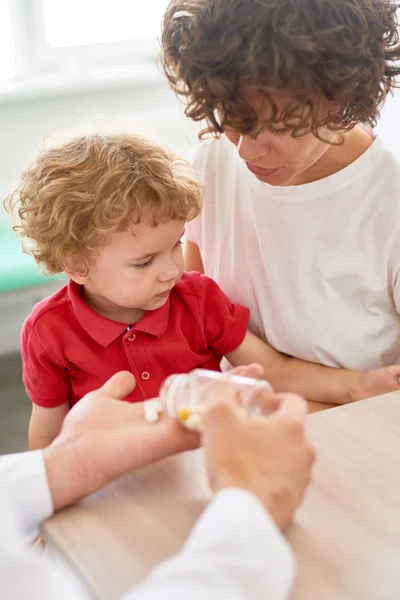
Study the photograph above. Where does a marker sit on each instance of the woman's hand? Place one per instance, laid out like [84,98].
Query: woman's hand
[375,382]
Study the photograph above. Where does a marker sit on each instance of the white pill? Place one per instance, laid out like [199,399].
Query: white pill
[154,405]
[151,415]
[194,423]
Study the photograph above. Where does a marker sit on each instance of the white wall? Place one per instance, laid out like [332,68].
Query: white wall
[389,124]
[152,110]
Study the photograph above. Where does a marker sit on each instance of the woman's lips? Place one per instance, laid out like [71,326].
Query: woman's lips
[260,171]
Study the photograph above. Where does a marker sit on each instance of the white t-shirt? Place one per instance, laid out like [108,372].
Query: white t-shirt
[317,264]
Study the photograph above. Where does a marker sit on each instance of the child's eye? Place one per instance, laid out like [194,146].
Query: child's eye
[180,243]
[145,264]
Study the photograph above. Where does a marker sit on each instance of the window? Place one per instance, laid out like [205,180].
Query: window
[83,22]
[76,40]
[7,50]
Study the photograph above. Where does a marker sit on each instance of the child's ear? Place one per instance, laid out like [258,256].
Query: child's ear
[79,277]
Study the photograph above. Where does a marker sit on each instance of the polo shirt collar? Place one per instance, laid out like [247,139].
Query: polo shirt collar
[104,331]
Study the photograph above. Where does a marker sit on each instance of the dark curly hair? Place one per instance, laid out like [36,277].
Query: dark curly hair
[336,59]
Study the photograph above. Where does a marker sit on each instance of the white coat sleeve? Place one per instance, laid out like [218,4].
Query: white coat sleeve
[25,501]
[234,551]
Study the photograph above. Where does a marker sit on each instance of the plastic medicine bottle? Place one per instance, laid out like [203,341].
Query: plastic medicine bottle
[184,396]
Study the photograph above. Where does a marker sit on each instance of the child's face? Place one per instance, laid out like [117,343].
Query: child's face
[275,157]
[135,269]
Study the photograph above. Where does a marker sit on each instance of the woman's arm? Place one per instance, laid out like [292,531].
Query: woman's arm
[313,381]
[193,260]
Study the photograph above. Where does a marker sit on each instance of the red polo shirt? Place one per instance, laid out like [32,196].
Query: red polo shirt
[68,349]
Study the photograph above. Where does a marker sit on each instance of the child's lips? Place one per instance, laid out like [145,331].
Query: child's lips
[164,294]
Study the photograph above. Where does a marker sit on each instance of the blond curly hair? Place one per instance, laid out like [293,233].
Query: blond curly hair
[73,194]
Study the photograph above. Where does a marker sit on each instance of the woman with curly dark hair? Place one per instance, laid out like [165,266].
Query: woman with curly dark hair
[301,218]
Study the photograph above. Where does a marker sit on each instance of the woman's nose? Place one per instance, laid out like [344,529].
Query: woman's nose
[250,150]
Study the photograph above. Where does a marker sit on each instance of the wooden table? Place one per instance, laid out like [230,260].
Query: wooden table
[314,407]
[346,536]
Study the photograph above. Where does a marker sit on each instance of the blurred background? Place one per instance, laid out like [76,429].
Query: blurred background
[68,65]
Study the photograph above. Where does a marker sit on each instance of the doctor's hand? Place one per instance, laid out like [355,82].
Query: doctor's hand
[103,438]
[269,457]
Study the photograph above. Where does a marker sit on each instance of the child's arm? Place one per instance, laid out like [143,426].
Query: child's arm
[313,381]
[46,382]
[45,425]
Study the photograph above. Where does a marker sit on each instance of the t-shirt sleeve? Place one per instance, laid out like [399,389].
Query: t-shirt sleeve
[225,322]
[45,381]
[193,228]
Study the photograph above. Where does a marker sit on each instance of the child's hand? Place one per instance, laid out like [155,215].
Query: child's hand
[376,382]
[253,370]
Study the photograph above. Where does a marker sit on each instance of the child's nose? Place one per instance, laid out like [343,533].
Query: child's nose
[172,271]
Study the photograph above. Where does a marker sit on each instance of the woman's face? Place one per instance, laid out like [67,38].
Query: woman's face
[274,156]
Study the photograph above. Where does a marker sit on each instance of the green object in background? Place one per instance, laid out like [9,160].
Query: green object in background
[18,271]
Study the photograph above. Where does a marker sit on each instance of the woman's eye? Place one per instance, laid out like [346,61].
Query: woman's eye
[278,132]
[144,265]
